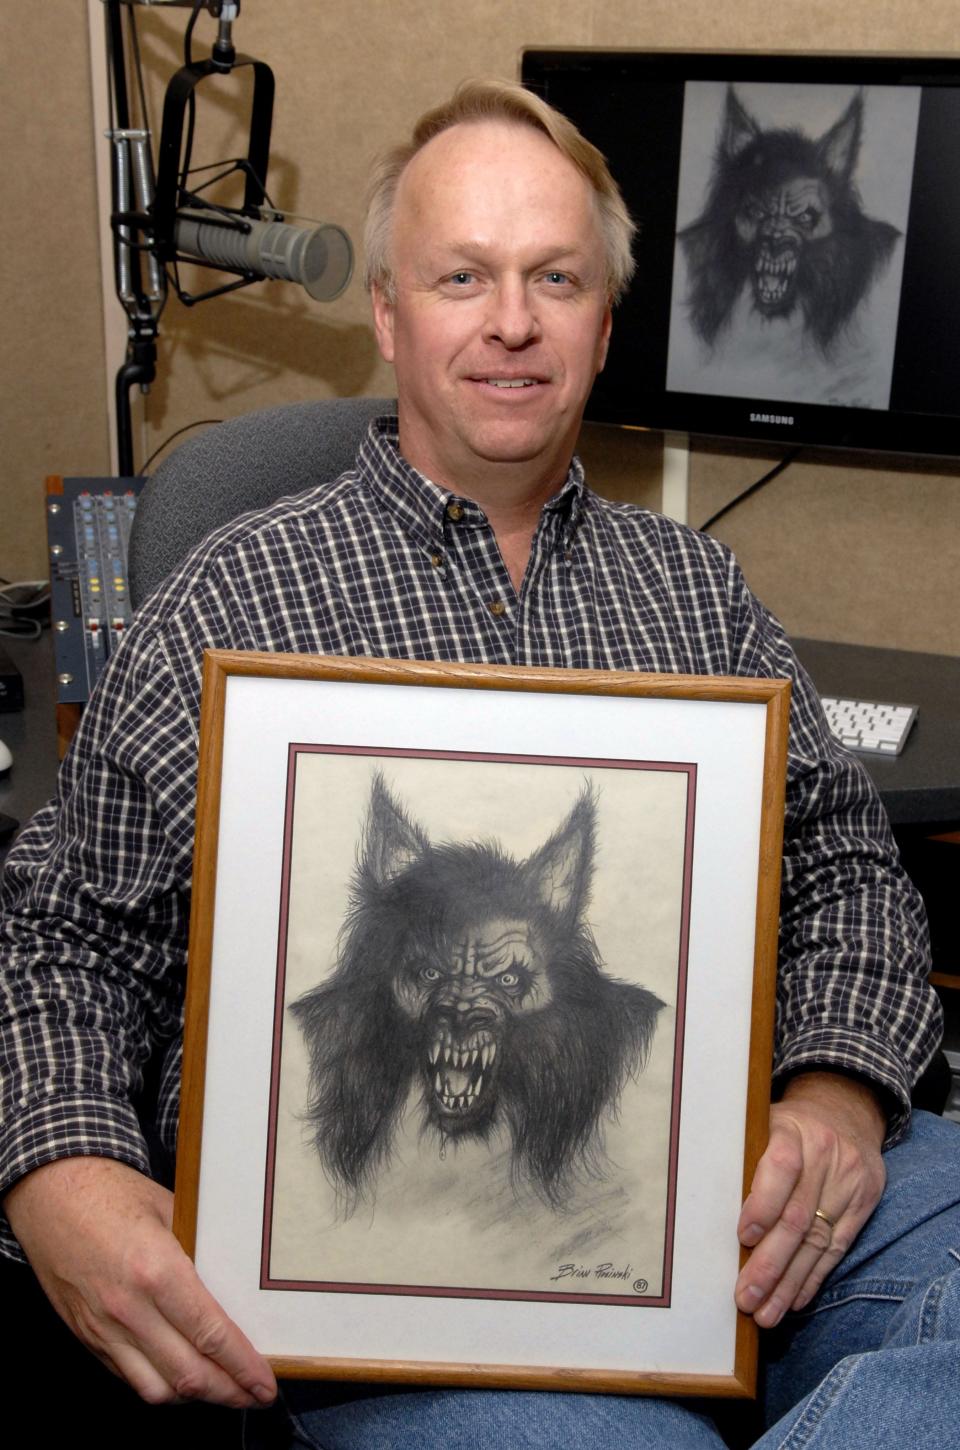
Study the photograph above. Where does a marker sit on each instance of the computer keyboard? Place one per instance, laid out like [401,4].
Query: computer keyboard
[866,726]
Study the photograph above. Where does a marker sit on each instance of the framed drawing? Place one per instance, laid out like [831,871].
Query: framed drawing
[479,1017]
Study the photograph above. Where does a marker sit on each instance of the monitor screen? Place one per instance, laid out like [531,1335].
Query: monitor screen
[798,252]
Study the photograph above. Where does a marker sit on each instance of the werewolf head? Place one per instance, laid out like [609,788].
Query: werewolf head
[474,978]
[783,219]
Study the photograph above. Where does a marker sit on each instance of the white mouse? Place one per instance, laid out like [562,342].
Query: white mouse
[6,759]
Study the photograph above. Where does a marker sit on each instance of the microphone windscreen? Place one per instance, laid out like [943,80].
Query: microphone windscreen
[319,258]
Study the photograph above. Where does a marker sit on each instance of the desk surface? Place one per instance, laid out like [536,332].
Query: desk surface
[31,733]
[920,787]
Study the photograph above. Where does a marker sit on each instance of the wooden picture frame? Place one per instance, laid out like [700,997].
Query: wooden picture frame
[479,1018]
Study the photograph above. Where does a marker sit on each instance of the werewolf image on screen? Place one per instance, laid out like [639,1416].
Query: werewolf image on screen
[783,219]
[474,980]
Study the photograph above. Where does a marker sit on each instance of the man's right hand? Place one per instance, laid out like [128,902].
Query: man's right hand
[98,1236]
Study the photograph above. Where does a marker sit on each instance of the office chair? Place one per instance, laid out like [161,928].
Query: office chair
[246,463]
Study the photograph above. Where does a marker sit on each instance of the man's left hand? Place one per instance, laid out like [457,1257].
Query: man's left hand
[823,1153]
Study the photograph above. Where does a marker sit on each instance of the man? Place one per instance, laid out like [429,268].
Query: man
[496,244]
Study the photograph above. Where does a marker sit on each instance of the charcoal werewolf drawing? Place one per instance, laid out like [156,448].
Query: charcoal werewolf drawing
[784,220]
[475,978]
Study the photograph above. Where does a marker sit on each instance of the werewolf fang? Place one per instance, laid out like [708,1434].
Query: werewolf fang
[783,219]
[474,978]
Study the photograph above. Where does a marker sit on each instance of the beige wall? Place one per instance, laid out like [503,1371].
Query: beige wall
[844,551]
[52,411]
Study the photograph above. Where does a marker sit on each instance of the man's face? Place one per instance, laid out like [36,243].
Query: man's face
[501,318]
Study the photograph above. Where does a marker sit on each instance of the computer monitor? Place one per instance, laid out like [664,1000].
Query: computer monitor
[798,256]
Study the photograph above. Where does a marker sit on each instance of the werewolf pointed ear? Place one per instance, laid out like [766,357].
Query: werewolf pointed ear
[558,875]
[840,146]
[391,841]
[739,127]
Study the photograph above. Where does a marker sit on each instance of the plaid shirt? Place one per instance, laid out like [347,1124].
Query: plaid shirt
[384,562]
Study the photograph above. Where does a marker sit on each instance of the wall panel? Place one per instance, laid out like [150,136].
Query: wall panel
[855,551]
[52,404]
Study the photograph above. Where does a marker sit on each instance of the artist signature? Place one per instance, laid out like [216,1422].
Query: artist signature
[624,1273]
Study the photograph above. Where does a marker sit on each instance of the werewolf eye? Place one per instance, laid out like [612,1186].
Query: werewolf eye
[508,979]
[429,974]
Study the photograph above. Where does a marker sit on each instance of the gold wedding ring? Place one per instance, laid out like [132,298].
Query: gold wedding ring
[830,1222]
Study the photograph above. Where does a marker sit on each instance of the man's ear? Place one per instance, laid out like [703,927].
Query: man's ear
[382,321]
[603,346]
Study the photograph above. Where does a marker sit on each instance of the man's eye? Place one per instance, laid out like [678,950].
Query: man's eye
[462,279]
[557,279]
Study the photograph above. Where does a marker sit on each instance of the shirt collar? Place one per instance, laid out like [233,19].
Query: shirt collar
[423,508]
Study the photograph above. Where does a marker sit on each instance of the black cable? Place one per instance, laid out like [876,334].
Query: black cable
[23,614]
[116,225]
[188,147]
[11,628]
[188,37]
[110,98]
[191,99]
[768,477]
[200,422]
[138,71]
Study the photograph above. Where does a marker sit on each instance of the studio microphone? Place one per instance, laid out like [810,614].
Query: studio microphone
[319,258]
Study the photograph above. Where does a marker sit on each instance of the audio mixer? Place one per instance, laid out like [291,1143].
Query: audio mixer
[88,528]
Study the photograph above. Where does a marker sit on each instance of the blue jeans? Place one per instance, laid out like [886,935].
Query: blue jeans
[872,1364]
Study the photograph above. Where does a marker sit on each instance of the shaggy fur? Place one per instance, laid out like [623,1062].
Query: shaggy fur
[831,258]
[566,1037]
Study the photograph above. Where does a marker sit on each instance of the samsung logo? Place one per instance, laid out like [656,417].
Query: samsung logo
[771,418]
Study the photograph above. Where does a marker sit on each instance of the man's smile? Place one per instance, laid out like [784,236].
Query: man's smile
[511,382]
[507,383]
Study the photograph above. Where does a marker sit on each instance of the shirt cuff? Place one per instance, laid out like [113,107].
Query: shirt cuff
[872,1060]
[75,1126]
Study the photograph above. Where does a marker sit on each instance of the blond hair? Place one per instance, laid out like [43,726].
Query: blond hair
[496,100]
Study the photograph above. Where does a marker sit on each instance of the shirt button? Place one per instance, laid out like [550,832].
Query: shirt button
[455,512]
[436,560]
[497,606]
